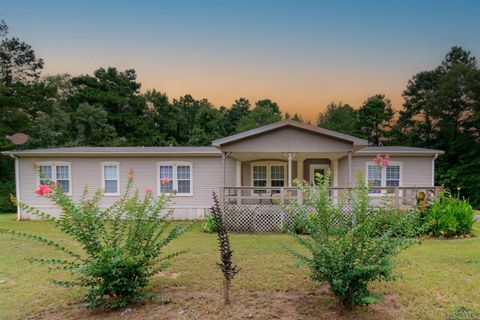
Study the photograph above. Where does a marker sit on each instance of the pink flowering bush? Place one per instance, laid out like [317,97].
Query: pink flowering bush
[43,190]
[120,247]
[382,161]
[166,180]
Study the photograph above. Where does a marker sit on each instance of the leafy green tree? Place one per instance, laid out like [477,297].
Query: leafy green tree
[457,56]
[92,128]
[375,118]
[441,111]
[187,108]
[209,125]
[18,67]
[18,62]
[198,122]
[51,129]
[118,93]
[295,117]
[339,117]
[239,109]
[161,118]
[415,124]
[265,112]
[3,28]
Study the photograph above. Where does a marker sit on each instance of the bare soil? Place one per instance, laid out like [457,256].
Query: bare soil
[206,304]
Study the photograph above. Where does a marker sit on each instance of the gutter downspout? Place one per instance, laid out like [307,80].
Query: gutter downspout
[433,169]
[17,183]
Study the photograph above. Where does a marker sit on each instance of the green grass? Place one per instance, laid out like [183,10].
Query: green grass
[436,276]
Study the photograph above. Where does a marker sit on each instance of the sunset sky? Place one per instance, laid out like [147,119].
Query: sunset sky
[301,54]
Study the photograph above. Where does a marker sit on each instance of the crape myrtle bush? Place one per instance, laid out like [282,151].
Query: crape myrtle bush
[347,252]
[121,245]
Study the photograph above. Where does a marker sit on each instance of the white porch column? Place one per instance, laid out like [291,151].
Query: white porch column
[238,180]
[300,170]
[238,173]
[290,157]
[335,180]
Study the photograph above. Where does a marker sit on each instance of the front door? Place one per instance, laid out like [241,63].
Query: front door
[317,168]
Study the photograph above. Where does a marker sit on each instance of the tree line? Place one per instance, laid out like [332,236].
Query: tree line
[107,108]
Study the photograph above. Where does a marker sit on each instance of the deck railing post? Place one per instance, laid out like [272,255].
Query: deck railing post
[238,193]
[397,197]
[282,195]
[222,199]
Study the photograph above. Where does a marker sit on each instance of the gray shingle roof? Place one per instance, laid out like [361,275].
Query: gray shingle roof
[118,150]
[398,149]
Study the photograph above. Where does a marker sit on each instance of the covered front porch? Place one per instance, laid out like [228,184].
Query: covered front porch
[265,186]
[261,165]
[268,160]
[280,169]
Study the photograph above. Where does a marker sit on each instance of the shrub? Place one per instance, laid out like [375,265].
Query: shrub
[348,252]
[401,223]
[450,216]
[122,244]
[209,224]
[297,223]
[6,189]
[229,270]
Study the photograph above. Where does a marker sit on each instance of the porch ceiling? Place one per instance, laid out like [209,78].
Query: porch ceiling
[299,156]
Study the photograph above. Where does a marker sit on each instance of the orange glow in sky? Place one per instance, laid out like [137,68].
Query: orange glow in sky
[301,54]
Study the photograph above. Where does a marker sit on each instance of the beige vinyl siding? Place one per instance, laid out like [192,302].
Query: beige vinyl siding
[207,177]
[289,140]
[343,172]
[416,170]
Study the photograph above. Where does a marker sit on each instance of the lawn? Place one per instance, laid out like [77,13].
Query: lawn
[436,276]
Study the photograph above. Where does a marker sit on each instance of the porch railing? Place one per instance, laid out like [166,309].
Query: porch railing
[263,208]
[399,196]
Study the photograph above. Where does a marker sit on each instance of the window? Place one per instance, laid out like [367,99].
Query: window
[59,172]
[179,177]
[374,177]
[277,176]
[63,177]
[110,178]
[393,176]
[268,175]
[45,174]
[259,176]
[378,176]
[183,179]
[166,172]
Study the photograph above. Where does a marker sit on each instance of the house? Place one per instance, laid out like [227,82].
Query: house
[251,168]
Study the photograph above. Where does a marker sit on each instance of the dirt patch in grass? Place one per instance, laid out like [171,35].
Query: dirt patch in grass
[246,304]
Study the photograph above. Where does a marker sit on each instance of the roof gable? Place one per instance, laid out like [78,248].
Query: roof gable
[285,124]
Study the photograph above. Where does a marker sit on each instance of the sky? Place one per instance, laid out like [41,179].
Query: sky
[300,54]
